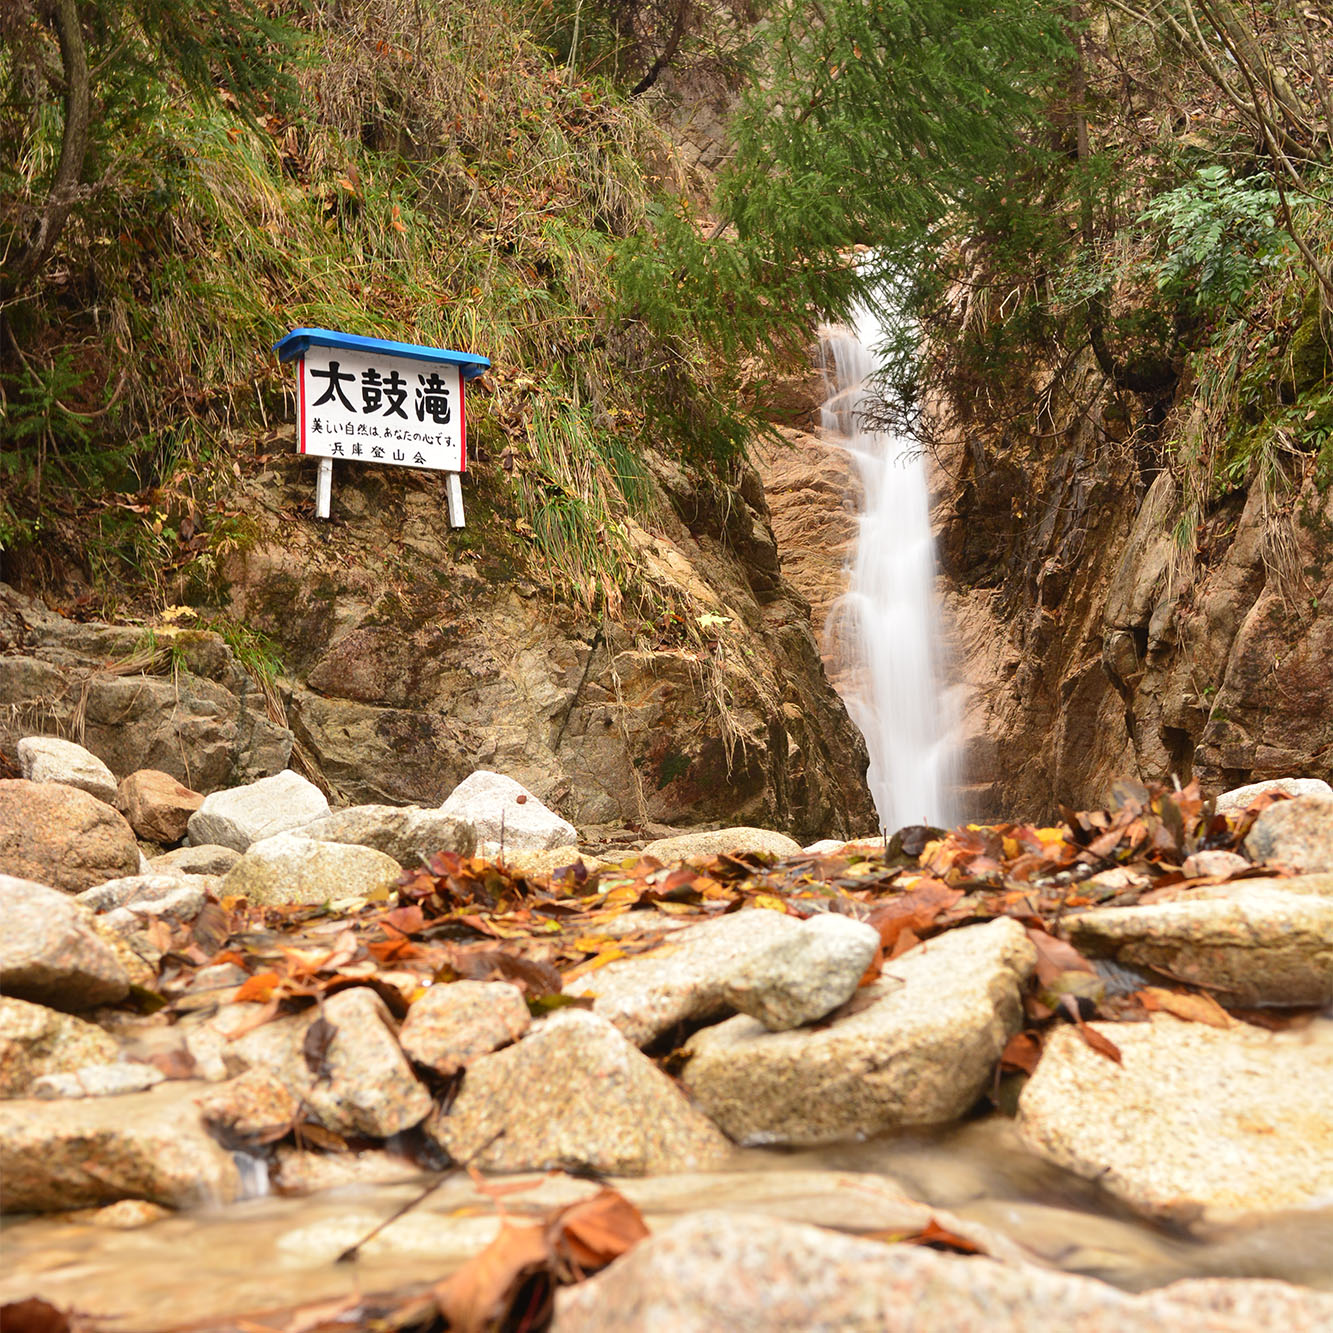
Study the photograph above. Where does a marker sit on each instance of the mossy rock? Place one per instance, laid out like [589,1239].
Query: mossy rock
[1311,347]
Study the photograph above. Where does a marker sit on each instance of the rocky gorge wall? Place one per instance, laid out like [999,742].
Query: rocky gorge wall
[1086,642]
[412,655]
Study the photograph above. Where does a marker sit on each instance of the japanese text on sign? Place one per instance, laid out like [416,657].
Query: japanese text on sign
[382,409]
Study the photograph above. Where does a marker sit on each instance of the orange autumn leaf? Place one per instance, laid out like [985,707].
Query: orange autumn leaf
[1191,1007]
[593,1232]
[474,1298]
[259,987]
[1021,1053]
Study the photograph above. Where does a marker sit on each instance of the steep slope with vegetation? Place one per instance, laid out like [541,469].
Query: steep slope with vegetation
[1107,232]
[1104,229]
[183,188]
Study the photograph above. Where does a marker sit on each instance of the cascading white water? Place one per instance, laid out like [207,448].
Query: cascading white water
[884,631]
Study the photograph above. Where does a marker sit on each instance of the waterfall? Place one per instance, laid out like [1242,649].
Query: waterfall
[884,631]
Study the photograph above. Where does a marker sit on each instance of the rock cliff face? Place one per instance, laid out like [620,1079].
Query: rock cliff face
[413,655]
[1088,642]
[416,656]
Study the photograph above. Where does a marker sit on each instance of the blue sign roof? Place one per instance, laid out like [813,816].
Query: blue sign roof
[298,341]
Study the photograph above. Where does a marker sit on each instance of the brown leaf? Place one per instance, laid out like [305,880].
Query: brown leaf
[914,910]
[532,977]
[591,1233]
[1021,1053]
[1102,1045]
[175,1063]
[33,1315]
[326,1140]
[315,1047]
[1193,1007]
[211,927]
[474,1298]
[406,920]
[940,1238]
[875,967]
[907,939]
[1056,956]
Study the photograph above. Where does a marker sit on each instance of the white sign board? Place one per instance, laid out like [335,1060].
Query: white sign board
[378,408]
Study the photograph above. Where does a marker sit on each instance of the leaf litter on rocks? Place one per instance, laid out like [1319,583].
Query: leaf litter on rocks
[457,917]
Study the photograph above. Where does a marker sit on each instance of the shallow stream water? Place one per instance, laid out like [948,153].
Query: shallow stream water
[271,1252]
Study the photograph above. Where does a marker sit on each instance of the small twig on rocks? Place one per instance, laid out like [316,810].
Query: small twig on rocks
[353,1251]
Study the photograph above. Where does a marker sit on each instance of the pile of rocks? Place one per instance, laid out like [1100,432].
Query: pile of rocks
[779,1041]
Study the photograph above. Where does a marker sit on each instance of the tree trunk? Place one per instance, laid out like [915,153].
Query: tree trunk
[64,192]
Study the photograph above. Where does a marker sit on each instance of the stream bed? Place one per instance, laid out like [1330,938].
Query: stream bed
[210,1265]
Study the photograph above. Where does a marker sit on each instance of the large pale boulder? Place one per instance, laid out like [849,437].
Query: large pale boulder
[35,1040]
[61,836]
[244,815]
[451,1025]
[729,1270]
[1222,1121]
[574,1094]
[917,1049]
[504,813]
[289,868]
[157,806]
[79,1152]
[53,759]
[685,979]
[806,974]
[1238,798]
[1253,941]
[1296,833]
[50,953]
[406,832]
[717,842]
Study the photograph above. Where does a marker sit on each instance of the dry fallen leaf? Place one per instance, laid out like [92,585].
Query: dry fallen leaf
[1193,1007]
[475,1297]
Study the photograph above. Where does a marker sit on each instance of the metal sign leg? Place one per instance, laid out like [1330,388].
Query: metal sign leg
[453,493]
[324,488]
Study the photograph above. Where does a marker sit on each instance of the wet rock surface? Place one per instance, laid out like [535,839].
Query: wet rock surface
[1194,1119]
[717,1270]
[1253,941]
[684,979]
[36,1041]
[804,976]
[104,1080]
[82,1151]
[451,1026]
